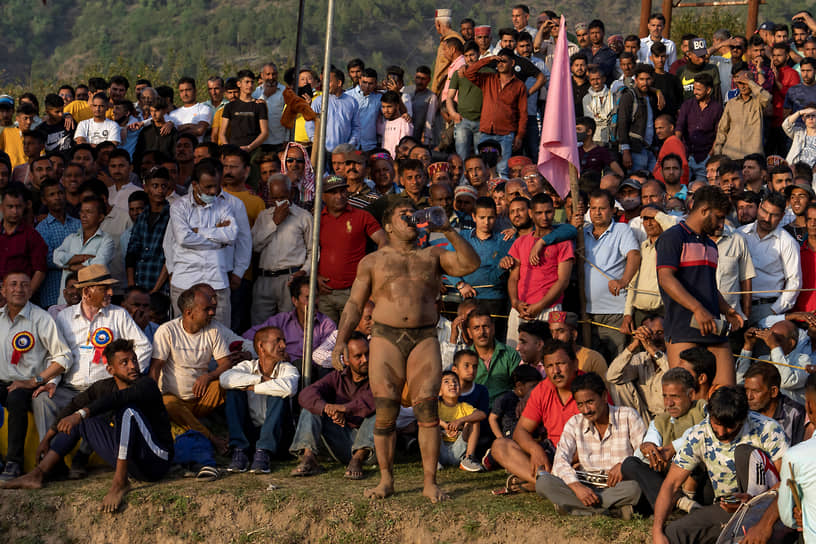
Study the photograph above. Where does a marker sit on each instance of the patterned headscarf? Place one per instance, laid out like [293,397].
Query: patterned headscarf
[307,183]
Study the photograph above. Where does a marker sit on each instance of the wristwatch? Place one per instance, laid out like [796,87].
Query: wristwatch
[39,380]
[658,354]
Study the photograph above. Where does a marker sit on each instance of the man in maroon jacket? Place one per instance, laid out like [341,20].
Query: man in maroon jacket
[340,408]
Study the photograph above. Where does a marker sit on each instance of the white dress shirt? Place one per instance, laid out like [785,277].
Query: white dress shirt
[645,52]
[274,110]
[283,383]
[100,245]
[777,264]
[118,198]
[287,245]
[78,332]
[48,345]
[733,266]
[204,256]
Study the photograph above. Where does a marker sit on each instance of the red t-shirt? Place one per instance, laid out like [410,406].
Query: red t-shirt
[343,244]
[535,281]
[806,302]
[544,407]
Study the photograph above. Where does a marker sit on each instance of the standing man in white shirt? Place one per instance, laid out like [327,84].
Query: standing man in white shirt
[776,260]
[201,237]
[282,235]
[33,355]
[657,22]
[98,128]
[192,117]
[271,91]
[520,15]
[119,170]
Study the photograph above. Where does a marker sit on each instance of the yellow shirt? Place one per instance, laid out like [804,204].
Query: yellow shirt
[301,136]
[78,110]
[11,141]
[254,204]
[216,125]
[452,413]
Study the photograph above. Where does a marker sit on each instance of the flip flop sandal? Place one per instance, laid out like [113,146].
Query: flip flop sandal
[207,474]
[304,470]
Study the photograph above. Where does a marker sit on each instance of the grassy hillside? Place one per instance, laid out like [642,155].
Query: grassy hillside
[163,39]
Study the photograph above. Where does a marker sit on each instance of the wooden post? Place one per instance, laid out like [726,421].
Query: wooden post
[586,331]
[667,13]
[753,15]
[645,11]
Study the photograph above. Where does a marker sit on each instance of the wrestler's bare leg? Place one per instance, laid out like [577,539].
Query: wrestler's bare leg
[726,372]
[386,372]
[424,376]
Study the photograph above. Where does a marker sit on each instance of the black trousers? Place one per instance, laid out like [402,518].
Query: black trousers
[18,404]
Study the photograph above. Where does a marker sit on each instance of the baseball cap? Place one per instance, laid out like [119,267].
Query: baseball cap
[334,182]
[767,25]
[633,183]
[6,100]
[699,47]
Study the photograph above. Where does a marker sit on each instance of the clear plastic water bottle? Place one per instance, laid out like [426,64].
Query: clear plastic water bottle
[433,217]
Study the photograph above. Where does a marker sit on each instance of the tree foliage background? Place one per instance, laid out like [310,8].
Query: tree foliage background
[68,41]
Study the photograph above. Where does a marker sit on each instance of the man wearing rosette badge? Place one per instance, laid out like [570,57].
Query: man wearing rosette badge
[32,355]
[89,327]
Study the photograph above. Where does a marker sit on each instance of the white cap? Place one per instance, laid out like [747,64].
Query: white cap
[443,14]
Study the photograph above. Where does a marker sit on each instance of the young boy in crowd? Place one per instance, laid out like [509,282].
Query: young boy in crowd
[392,127]
[465,364]
[508,407]
[459,424]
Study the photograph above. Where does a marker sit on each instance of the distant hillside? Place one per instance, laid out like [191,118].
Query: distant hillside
[67,40]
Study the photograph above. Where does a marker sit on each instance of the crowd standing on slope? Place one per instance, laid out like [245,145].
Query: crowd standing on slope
[698,214]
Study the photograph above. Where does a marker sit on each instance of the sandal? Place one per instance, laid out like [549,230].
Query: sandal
[306,469]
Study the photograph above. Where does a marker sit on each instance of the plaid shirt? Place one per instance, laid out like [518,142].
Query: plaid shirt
[622,438]
[54,233]
[145,252]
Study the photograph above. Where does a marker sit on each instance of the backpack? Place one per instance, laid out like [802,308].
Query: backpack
[613,121]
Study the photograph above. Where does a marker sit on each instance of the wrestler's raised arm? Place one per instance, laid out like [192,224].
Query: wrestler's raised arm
[360,294]
[462,260]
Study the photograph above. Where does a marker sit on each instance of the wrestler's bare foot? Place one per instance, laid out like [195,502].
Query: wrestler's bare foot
[383,490]
[435,494]
[116,494]
[32,480]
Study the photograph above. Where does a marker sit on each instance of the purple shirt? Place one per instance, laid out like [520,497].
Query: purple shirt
[699,127]
[339,388]
[293,332]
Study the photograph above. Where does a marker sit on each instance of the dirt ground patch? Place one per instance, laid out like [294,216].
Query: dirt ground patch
[322,509]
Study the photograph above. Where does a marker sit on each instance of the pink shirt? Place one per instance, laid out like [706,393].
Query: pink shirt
[392,132]
[454,66]
[535,281]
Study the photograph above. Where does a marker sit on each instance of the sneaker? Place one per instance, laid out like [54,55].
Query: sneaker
[260,462]
[470,464]
[687,505]
[488,462]
[240,461]
[11,471]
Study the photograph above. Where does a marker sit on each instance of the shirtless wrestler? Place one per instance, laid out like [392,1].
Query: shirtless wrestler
[404,282]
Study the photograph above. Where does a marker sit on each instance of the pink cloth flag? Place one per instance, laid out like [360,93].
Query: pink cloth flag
[559,144]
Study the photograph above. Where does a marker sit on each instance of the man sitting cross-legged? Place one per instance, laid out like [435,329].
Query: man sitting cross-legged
[122,418]
[339,408]
[601,436]
[257,400]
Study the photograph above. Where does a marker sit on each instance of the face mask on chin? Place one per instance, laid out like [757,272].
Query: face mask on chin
[206,199]
[630,204]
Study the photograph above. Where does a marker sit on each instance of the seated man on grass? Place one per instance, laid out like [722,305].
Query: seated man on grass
[601,436]
[339,409]
[123,419]
[257,401]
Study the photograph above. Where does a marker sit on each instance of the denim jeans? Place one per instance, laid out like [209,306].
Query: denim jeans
[697,170]
[532,138]
[450,453]
[506,143]
[241,429]
[642,160]
[466,135]
[341,442]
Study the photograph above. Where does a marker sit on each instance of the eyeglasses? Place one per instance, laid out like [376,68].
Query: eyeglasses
[503,61]
[299,161]
[736,47]
[349,163]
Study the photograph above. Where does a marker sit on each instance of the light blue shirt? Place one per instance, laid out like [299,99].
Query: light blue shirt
[609,254]
[803,458]
[274,110]
[342,121]
[100,245]
[369,110]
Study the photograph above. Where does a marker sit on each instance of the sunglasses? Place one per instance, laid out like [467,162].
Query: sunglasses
[502,61]
[299,161]
[349,163]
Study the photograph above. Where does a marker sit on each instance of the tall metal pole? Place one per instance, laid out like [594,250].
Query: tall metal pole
[667,13]
[753,15]
[586,331]
[298,37]
[321,167]
[645,11]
